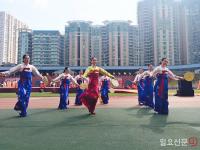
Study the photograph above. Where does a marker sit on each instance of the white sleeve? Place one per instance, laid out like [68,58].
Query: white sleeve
[86,79]
[171,74]
[155,71]
[13,70]
[58,78]
[136,78]
[73,80]
[36,72]
[141,76]
[76,78]
[100,79]
[144,74]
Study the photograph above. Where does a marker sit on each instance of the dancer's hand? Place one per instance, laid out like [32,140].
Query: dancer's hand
[133,82]
[45,80]
[180,78]
[83,86]
[113,77]
[52,83]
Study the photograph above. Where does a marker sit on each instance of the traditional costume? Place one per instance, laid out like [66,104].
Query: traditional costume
[105,84]
[148,88]
[24,85]
[90,96]
[64,89]
[161,88]
[79,79]
[140,87]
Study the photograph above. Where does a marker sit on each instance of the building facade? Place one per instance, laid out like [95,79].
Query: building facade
[118,41]
[9,29]
[134,51]
[47,48]
[192,17]
[96,43]
[24,44]
[161,31]
[78,43]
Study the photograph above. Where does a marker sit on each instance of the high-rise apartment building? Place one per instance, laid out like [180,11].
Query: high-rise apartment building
[77,43]
[134,51]
[114,44]
[118,42]
[96,43]
[24,44]
[9,28]
[192,17]
[47,48]
[160,31]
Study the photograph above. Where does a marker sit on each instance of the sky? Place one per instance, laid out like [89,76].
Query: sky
[54,14]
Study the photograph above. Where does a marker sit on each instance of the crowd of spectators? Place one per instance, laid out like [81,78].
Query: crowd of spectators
[125,81]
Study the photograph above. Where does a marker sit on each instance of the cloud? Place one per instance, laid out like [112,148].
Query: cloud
[8,1]
[11,1]
[40,4]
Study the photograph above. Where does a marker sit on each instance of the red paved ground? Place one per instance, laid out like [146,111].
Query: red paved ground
[115,102]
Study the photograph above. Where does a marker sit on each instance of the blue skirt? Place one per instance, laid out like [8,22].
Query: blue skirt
[78,94]
[24,92]
[140,87]
[161,94]
[64,93]
[148,92]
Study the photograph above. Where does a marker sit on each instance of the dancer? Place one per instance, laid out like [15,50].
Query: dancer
[140,87]
[105,83]
[162,73]
[24,84]
[148,86]
[79,79]
[65,78]
[90,96]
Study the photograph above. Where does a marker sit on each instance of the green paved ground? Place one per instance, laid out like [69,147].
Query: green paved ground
[110,129]
[50,94]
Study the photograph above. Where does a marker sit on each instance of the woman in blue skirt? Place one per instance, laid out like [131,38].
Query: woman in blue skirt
[140,87]
[79,79]
[105,84]
[162,74]
[24,84]
[148,86]
[65,79]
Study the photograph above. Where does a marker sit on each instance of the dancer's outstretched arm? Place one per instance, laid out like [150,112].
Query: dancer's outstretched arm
[12,70]
[36,72]
[173,76]
[104,72]
[58,78]
[74,80]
